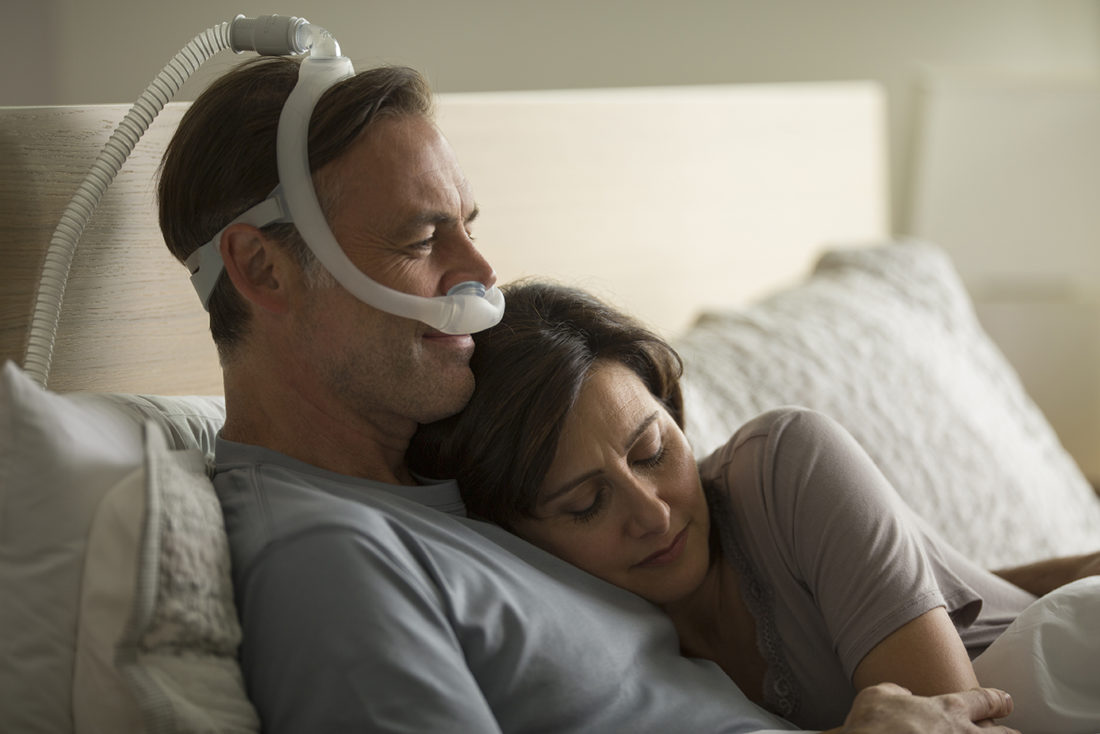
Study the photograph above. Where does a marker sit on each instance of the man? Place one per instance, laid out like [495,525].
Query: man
[368,600]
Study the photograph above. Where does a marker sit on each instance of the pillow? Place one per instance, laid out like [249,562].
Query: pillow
[59,456]
[158,631]
[1047,660]
[885,340]
[101,699]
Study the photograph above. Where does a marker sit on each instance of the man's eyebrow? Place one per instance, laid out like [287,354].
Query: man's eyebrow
[410,226]
[581,479]
[440,217]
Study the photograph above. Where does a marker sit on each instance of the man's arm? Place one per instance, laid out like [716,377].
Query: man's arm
[890,709]
[1043,577]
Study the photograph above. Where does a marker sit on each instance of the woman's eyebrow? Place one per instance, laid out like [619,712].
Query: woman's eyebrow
[576,481]
[581,479]
[637,433]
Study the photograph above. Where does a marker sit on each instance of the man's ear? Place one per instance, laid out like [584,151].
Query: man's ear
[258,267]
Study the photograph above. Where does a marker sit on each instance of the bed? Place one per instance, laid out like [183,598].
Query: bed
[746,223]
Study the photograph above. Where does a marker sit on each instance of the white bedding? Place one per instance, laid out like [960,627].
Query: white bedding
[1049,659]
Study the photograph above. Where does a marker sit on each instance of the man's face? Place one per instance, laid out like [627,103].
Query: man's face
[403,214]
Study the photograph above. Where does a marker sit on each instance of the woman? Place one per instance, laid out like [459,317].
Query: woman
[785,556]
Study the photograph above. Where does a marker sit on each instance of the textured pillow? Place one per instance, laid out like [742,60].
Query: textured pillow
[59,456]
[158,630]
[885,340]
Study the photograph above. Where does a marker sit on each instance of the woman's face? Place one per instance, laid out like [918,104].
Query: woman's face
[622,499]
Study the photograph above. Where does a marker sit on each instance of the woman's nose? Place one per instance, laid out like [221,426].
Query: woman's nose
[649,513]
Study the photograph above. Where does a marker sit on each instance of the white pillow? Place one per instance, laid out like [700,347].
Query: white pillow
[158,631]
[59,455]
[1048,660]
[101,699]
[885,340]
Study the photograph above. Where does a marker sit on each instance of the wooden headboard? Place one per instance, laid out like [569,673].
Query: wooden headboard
[664,201]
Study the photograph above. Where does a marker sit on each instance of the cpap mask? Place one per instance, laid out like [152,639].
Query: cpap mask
[467,308]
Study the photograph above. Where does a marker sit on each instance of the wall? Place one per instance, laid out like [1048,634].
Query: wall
[32,27]
[478,45]
[1007,178]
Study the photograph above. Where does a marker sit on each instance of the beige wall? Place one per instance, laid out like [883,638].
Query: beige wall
[473,45]
[30,25]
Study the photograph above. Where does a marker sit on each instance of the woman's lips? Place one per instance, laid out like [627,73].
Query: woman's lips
[669,553]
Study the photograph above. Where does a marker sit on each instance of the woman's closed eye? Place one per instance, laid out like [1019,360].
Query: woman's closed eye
[592,509]
[652,461]
[649,450]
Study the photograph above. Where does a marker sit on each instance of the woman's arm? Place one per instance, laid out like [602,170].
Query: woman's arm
[1043,577]
[819,511]
[866,564]
[924,655]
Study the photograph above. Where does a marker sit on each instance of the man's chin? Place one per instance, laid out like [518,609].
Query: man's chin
[448,397]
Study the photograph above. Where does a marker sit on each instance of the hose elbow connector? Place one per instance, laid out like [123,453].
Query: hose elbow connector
[271,35]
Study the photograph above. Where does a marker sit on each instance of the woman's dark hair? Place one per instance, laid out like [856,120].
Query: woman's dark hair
[221,160]
[529,370]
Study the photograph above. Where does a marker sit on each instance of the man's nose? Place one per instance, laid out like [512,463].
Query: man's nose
[469,265]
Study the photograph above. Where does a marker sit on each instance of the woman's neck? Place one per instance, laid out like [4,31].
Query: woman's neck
[714,623]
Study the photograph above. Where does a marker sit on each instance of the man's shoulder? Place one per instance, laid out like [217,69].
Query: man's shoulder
[269,505]
[304,495]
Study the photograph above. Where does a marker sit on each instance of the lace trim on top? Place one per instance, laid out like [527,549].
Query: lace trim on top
[782,695]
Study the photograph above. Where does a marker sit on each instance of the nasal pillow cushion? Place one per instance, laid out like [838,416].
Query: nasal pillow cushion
[105,639]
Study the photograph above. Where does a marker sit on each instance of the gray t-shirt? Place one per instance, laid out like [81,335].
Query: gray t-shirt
[832,560]
[369,607]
